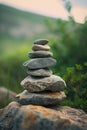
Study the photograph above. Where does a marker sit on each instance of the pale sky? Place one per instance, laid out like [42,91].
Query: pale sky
[53,8]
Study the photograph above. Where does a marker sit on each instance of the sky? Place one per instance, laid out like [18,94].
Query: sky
[53,8]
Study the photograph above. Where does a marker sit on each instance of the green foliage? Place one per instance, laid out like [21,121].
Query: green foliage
[75,78]
[70,50]
[70,43]
[11,73]
[11,69]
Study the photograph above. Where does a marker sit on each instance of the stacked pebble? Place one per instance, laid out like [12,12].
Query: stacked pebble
[41,86]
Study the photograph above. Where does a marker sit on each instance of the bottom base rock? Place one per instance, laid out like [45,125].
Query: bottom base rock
[30,117]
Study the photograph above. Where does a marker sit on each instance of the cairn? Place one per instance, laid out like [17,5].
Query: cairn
[41,86]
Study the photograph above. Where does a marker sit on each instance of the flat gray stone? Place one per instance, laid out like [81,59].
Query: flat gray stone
[43,99]
[40,54]
[41,41]
[52,83]
[40,72]
[39,63]
[40,47]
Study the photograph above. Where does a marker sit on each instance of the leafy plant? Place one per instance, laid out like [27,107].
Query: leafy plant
[70,50]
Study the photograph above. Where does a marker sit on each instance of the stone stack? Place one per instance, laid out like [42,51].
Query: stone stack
[41,86]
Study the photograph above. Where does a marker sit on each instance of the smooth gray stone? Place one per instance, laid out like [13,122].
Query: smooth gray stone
[43,99]
[40,72]
[52,83]
[41,41]
[40,47]
[40,54]
[39,63]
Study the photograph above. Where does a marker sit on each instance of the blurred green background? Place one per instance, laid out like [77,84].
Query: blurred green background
[68,41]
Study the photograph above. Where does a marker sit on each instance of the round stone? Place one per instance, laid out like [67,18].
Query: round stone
[40,54]
[40,72]
[40,47]
[41,41]
[43,99]
[39,63]
[36,84]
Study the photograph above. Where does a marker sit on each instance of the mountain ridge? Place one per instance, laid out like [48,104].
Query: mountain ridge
[18,23]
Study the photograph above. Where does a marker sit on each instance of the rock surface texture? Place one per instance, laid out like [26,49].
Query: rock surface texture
[40,54]
[39,63]
[44,98]
[52,83]
[31,117]
[41,86]
[40,48]
[40,72]
[41,41]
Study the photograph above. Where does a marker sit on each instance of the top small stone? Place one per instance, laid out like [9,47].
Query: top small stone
[41,41]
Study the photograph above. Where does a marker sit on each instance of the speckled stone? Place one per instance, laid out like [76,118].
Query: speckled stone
[44,98]
[40,47]
[40,54]
[32,117]
[52,83]
[40,72]
[39,63]
[41,41]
